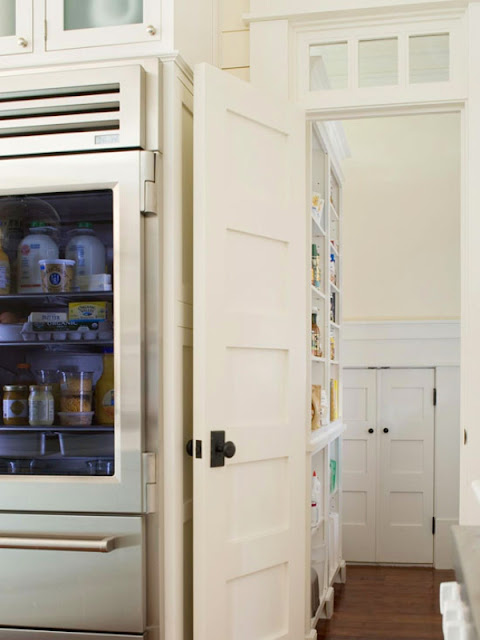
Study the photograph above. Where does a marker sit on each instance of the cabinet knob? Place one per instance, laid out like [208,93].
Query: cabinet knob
[370,430]
[151,30]
[386,430]
[21,42]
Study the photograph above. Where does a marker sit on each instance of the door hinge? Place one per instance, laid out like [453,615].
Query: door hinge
[150,176]
[149,470]
[434,397]
[433,525]
[45,23]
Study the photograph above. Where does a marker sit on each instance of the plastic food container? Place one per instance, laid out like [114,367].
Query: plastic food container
[57,275]
[75,418]
[76,382]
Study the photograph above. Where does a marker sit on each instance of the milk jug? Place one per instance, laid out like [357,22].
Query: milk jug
[87,250]
[38,245]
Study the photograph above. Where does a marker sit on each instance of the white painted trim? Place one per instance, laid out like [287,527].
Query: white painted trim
[401,344]
[443,543]
[261,10]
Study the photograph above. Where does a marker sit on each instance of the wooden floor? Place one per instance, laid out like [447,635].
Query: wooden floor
[387,603]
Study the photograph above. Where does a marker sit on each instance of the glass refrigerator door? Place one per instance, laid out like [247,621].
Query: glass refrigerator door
[71,299]
[16,26]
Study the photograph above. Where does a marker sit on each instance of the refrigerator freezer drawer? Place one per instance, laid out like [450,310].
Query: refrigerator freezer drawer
[34,634]
[76,573]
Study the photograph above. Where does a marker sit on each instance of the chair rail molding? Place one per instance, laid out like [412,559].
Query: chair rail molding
[402,343]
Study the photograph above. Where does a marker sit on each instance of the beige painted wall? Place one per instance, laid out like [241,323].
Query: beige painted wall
[401,232]
[234,37]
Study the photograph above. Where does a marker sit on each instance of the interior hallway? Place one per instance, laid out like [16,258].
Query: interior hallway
[387,603]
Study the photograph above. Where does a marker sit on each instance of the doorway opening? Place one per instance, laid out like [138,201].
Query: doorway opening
[393,248]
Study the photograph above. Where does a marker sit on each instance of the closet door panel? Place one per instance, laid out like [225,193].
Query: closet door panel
[405,466]
[359,465]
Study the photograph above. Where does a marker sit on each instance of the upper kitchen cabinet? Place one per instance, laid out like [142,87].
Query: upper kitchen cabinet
[74,24]
[15,26]
[104,30]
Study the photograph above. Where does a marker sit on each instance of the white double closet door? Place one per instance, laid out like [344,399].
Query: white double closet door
[388,467]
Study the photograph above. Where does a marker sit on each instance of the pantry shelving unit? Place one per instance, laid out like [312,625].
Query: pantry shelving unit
[324,546]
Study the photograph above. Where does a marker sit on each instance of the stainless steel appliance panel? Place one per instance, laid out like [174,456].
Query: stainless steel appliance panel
[35,634]
[68,572]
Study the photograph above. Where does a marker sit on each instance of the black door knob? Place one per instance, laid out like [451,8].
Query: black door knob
[385,430]
[370,430]
[229,449]
[189,447]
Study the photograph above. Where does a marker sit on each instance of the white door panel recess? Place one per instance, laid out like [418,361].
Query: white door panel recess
[359,460]
[250,336]
[389,463]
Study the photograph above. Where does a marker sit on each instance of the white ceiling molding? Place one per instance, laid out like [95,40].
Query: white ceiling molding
[308,10]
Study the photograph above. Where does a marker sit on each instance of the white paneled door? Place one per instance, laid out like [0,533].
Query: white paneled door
[388,465]
[359,464]
[405,492]
[250,336]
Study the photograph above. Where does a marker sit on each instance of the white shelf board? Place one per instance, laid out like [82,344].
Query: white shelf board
[334,492]
[334,211]
[316,617]
[316,293]
[334,362]
[320,438]
[333,574]
[335,324]
[334,287]
[316,359]
[317,229]
[314,529]
[335,250]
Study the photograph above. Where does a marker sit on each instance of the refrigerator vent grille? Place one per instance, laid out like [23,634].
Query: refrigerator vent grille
[65,112]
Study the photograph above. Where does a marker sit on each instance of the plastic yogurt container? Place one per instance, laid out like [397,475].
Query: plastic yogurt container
[57,275]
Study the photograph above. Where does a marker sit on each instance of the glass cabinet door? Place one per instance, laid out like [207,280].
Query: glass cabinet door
[83,23]
[15,26]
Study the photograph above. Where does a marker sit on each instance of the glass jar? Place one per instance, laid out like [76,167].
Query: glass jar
[50,377]
[15,405]
[40,405]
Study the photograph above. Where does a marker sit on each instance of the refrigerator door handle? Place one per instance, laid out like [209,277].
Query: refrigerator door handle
[58,543]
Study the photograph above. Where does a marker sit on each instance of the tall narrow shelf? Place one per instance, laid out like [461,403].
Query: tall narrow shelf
[324,545]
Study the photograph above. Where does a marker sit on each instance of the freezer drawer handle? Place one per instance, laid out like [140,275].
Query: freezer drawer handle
[53,543]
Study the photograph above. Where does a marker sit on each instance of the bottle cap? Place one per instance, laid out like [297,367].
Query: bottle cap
[314,250]
[40,387]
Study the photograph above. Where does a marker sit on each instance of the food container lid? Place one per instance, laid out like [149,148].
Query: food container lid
[15,387]
[59,261]
[40,387]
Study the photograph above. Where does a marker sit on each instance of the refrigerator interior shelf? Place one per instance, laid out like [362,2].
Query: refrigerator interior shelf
[53,430]
[57,299]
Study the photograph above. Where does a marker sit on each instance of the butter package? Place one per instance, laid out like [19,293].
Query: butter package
[87,312]
[47,316]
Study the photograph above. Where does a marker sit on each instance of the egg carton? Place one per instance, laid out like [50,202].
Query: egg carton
[59,333]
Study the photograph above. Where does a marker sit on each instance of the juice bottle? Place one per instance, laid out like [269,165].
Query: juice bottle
[104,391]
[4,269]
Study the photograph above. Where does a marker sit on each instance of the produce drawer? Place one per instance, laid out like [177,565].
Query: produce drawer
[73,573]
